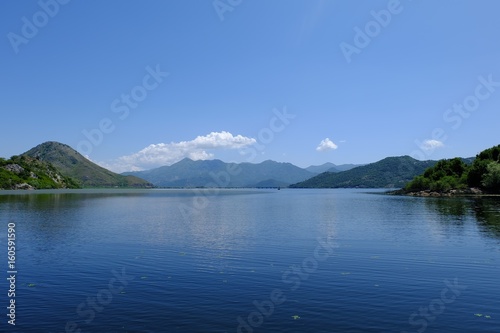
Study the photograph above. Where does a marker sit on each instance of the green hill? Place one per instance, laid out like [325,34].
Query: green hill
[330,167]
[72,164]
[24,172]
[390,172]
[455,174]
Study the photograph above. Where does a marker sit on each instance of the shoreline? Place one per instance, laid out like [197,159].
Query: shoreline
[470,192]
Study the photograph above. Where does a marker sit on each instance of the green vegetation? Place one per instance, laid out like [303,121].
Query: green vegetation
[484,169]
[454,174]
[54,165]
[24,172]
[72,164]
[491,179]
[443,176]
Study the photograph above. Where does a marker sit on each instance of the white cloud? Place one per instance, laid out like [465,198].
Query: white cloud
[160,154]
[431,145]
[326,145]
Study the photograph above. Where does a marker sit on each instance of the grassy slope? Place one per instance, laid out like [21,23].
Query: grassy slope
[389,172]
[72,164]
[37,174]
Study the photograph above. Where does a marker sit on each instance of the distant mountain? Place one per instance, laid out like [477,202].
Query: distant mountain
[72,164]
[330,167]
[322,168]
[189,173]
[344,167]
[389,172]
[26,173]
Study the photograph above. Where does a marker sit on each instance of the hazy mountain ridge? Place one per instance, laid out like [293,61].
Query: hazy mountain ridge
[189,173]
[390,172]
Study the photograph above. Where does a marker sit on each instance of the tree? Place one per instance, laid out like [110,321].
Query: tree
[491,179]
[417,184]
[442,177]
[479,167]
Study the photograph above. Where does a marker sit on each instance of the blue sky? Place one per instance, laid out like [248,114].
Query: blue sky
[352,81]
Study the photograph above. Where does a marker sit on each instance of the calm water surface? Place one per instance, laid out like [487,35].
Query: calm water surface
[251,261]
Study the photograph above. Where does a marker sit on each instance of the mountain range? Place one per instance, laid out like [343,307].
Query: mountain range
[56,165]
[390,172]
[209,173]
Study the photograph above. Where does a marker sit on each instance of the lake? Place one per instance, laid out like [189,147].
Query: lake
[250,261]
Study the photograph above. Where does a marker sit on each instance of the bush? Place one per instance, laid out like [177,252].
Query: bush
[491,179]
[476,172]
[443,176]
[419,183]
